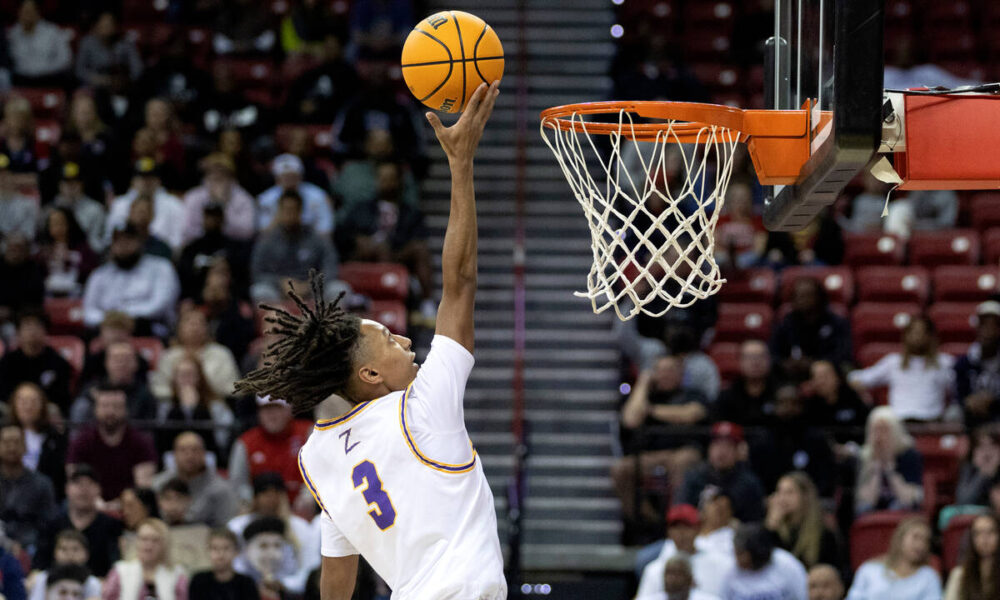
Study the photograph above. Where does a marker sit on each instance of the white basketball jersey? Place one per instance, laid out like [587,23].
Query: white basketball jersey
[399,482]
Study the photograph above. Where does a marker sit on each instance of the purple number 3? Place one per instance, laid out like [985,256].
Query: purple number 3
[383,513]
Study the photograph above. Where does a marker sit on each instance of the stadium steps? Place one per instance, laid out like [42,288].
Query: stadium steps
[571,378]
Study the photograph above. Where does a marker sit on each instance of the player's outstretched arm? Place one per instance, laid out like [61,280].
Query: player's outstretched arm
[461,242]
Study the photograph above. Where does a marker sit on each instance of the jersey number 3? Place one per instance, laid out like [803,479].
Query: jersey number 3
[382,512]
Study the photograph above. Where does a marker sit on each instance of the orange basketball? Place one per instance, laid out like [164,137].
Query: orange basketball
[447,55]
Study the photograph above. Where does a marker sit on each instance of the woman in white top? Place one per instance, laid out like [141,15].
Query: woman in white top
[978,577]
[890,470]
[919,379]
[150,574]
[902,574]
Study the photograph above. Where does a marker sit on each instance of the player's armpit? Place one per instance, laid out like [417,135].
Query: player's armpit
[337,579]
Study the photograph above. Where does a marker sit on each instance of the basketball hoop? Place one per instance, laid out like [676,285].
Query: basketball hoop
[652,225]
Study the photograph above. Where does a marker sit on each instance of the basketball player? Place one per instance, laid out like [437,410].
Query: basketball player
[396,476]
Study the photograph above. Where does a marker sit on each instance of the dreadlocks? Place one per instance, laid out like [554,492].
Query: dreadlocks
[314,356]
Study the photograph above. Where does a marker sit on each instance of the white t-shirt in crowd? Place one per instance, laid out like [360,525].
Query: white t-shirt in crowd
[874,581]
[399,482]
[692,595]
[707,567]
[917,392]
[784,578]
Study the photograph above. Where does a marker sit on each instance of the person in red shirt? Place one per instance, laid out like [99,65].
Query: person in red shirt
[273,445]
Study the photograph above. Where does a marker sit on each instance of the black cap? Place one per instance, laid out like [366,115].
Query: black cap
[268,481]
[146,166]
[264,525]
[83,470]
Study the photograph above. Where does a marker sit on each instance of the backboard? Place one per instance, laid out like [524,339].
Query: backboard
[825,55]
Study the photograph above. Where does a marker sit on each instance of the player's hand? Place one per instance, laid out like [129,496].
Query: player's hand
[461,139]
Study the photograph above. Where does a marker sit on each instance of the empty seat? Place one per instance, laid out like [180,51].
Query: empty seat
[985,210]
[378,281]
[391,313]
[930,249]
[752,285]
[875,322]
[65,315]
[726,356]
[871,532]
[868,249]
[941,455]
[964,283]
[955,321]
[71,348]
[838,282]
[893,284]
[738,322]
[150,348]
[869,354]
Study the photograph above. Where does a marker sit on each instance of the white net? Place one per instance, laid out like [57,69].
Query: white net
[652,211]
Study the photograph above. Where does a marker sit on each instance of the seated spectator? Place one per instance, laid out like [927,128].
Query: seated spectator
[678,581]
[88,212]
[222,580]
[11,576]
[213,499]
[18,213]
[919,378]
[168,210]
[273,445]
[740,235]
[821,242]
[34,360]
[174,76]
[142,286]
[890,470]
[16,265]
[866,207]
[977,473]
[302,143]
[357,181]
[39,50]
[231,320]
[317,95]
[795,518]
[243,27]
[217,362]
[71,551]
[105,53]
[150,574]
[219,187]
[288,251]
[810,331]
[121,456]
[831,402]
[749,400]
[121,365]
[45,445]
[249,173]
[903,573]
[95,148]
[659,398]
[762,570]
[162,126]
[725,470]
[28,501]
[188,541]
[66,254]
[17,140]
[924,210]
[271,560]
[116,327]
[137,505]
[140,217]
[825,583]
[224,106]
[213,247]
[978,575]
[717,522]
[977,374]
[83,494]
[193,405]
[316,209]
[700,373]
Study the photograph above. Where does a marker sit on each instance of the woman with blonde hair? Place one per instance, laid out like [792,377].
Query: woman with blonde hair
[978,577]
[795,518]
[150,574]
[903,573]
[890,471]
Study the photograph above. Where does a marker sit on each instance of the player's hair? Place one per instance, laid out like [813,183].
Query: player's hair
[313,357]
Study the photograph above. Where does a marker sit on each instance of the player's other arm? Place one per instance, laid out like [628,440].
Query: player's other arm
[458,256]
[336,581]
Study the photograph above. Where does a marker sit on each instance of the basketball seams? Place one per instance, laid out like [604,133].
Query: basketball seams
[444,62]
[451,64]
[461,45]
[475,52]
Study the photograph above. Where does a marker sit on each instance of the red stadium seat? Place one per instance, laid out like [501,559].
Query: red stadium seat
[717,15]
[930,249]
[991,246]
[893,284]
[145,11]
[870,534]
[874,322]
[46,135]
[838,308]
[941,455]
[869,354]
[738,322]
[45,102]
[251,73]
[955,321]
[955,12]
[391,313]
[838,281]
[705,45]
[321,135]
[869,249]
[985,210]
[752,285]
[71,348]
[964,283]
[150,348]
[726,356]
[378,281]
[65,315]
[953,537]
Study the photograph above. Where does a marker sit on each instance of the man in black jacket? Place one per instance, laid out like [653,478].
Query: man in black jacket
[34,360]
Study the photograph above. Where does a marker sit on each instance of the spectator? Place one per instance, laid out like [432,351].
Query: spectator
[39,50]
[168,210]
[83,493]
[150,574]
[379,23]
[717,523]
[168,149]
[27,500]
[309,24]
[919,378]
[903,573]
[270,499]
[45,445]
[316,210]
[317,95]
[173,499]
[11,576]
[271,560]
[174,76]
[725,470]
[250,175]
[71,556]
[763,571]
[121,365]
[116,327]
[213,500]
[658,398]
[243,27]
[978,576]
[18,213]
[740,235]
[795,518]
[105,54]
[219,187]
[193,405]
[357,180]
[273,445]
[700,373]
[137,505]
[224,106]
[65,253]
[217,362]
[98,154]
[222,581]
[288,251]
[977,374]
[980,469]
[821,242]
[825,583]
[750,398]
[231,320]
[830,402]
[17,266]
[678,582]
[810,331]
[926,210]
[121,455]
[866,207]
[140,218]
[301,142]
[34,360]
[142,286]
[17,140]
[205,252]
[890,471]
[88,213]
